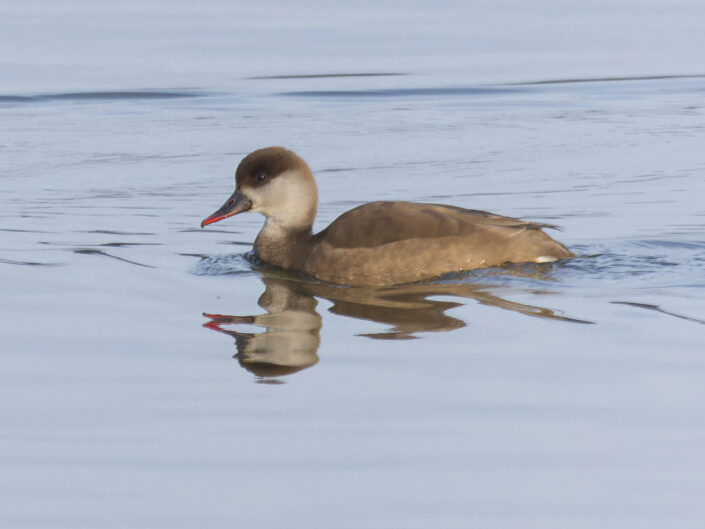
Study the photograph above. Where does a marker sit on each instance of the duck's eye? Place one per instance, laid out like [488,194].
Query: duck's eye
[261,177]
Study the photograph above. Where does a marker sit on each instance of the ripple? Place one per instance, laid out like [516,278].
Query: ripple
[406,92]
[27,263]
[654,261]
[112,95]
[608,79]
[228,264]
[94,251]
[671,244]
[115,232]
[656,308]
[326,75]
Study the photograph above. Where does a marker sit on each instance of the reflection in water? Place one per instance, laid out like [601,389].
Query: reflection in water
[291,336]
[656,308]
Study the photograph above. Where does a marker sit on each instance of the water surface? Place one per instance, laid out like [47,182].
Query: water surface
[157,375]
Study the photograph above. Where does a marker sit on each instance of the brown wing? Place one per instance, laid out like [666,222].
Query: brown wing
[378,223]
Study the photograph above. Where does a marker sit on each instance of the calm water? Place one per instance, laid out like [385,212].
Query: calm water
[156,375]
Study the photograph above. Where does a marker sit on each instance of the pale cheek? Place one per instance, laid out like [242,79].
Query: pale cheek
[268,199]
[254,197]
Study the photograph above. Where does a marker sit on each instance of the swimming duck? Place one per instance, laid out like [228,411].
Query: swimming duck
[380,243]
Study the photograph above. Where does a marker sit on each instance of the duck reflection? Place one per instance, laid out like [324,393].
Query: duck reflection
[291,327]
[291,334]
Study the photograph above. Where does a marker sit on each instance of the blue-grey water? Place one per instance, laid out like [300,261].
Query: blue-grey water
[157,375]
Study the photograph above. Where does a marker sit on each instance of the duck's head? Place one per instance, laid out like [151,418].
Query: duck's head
[275,182]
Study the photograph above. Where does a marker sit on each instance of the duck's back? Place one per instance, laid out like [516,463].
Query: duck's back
[398,242]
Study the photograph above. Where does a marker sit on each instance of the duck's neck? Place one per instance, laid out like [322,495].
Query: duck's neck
[283,246]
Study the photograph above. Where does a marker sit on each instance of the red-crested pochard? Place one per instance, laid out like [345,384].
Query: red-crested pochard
[381,243]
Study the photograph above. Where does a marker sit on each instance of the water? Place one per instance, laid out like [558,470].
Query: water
[157,375]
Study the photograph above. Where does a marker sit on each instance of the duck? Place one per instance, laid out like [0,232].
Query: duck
[380,243]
